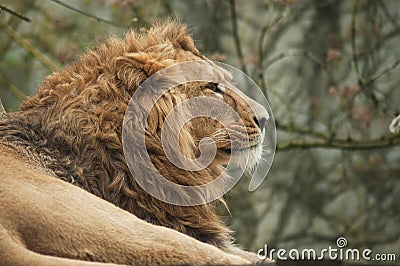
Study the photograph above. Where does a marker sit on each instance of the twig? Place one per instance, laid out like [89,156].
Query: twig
[263,84]
[12,88]
[294,53]
[354,60]
[302,131]
[383,72]
[392,20]
[236,39]
[87,14]
[14,13]
[261,51]
[268,39]
[284,55]
[30,48]
[341,144]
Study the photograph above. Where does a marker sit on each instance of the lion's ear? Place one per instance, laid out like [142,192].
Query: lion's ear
[149,62]
[174,32]
[165,44]
[134,68]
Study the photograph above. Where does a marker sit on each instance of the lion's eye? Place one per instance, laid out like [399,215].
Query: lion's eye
[216,88]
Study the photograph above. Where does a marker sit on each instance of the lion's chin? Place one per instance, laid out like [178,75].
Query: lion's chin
[255,155]
[246,159]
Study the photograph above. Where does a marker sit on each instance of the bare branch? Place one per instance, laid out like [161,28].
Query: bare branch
[341,144]
[354,55]
[270,28]
[392,20]
[383,72]
[380,43]
[263,34]
[87,14]
[14,13]
[12,88]
[302,131]
[30,48]
[235,33]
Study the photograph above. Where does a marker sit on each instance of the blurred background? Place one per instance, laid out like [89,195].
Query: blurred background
[329,68]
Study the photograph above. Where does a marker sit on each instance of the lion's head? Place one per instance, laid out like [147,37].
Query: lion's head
[247,128]
[73,127]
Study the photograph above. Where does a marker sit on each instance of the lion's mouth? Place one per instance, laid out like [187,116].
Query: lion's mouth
[228,150]
[250,145]
[246,156]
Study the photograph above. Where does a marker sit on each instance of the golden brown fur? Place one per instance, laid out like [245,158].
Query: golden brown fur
[46,221]
[72,130]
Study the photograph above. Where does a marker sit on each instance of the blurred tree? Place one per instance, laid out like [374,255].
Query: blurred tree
[329,69]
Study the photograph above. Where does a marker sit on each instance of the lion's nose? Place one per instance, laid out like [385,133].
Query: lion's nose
[261,122]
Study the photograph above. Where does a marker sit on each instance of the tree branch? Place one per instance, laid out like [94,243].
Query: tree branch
[236,39]
[391,19]
[302,131]
[354,56]
[14,13]
[341,144]
[12,88]
[382,72]
[30,48]
[87,14]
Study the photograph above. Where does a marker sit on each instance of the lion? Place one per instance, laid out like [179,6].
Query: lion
[67,195]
